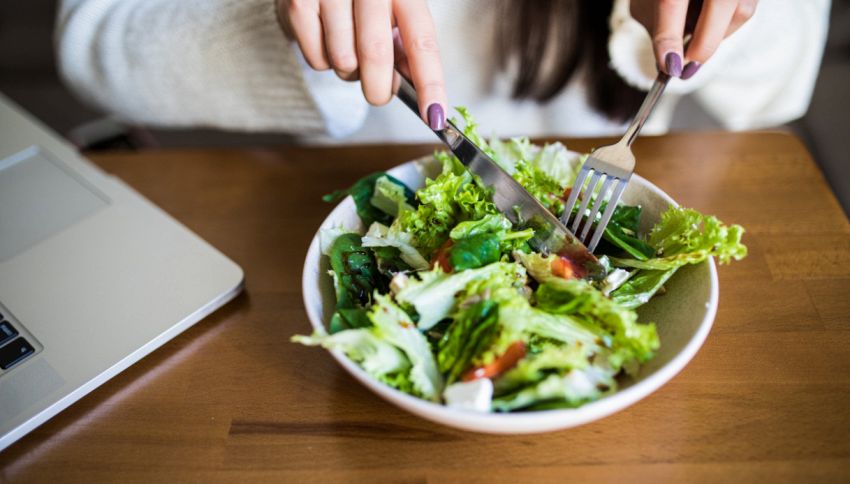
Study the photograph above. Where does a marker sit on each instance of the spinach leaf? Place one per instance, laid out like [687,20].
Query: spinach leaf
[476,251]
[349,318]
[627,217]
[622,232]
[389,261]
[362,192]
[356,277]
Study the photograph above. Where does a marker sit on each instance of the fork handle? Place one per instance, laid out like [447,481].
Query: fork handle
[646,108]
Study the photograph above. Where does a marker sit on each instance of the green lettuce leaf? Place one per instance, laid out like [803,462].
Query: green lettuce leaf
[558,163]
[507,153]
[555,391]
[554,160]
[391,196]
[471,332]
[379,358]
[519,321]
[540,185]
[470,130]
[394,325]
[454,196]
[538,266]
[685,236]
[434,293]
[543,172]
[327,237]
[550,358]
[629,340]
[682,236]
[380,235]
[641,287]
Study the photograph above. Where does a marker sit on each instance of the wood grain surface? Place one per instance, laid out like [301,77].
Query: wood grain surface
[767,397]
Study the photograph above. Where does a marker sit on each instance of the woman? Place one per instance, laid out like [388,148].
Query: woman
[555,67]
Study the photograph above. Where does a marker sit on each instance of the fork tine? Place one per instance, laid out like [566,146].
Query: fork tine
[600,197]
[585,198]
[571,200]
[609,211]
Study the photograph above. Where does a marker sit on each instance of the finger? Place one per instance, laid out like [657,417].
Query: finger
[419,39]
[400,55]
[307,27]
[744,12]
[373,37]
[338,27]
[670,18]
[400,59]
[714,20]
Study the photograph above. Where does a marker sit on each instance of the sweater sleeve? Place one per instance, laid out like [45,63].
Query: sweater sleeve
[762,75]
[215,63]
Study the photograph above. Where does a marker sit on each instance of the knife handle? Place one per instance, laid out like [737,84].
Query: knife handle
[407,93]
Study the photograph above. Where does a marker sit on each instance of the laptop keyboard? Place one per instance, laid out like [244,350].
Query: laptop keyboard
[13,348]
[7,332]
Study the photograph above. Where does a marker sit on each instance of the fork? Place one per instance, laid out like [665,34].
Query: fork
[613,165]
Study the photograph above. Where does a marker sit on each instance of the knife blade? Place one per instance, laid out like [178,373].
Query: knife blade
[511,198]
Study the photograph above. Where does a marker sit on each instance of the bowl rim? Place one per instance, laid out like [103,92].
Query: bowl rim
[520,422]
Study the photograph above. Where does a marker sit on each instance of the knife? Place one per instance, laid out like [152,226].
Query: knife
[514,201]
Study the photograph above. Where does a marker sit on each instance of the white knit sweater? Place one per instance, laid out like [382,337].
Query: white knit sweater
[226,64]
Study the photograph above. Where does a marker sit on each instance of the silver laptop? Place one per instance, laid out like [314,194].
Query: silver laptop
[93,277]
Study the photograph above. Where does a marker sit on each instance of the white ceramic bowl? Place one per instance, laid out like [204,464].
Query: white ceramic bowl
[683,316]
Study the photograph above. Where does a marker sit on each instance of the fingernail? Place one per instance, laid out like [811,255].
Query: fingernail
[674,64]
[436,117]
[690,69]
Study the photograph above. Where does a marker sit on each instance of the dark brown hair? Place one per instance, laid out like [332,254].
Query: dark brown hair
[574,35]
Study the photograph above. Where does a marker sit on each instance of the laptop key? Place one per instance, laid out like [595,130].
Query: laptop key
[7,332]
[14,352]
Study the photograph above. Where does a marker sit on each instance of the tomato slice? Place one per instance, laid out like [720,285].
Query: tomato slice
[563,267]
[509,359]
[441,257]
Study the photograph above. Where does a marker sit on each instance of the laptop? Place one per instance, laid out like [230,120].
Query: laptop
[93,276]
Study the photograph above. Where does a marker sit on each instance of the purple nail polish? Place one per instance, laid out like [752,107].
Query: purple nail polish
[690,69]
[436,117]
[674,64]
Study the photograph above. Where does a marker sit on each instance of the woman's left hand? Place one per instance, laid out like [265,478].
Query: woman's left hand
[666,20]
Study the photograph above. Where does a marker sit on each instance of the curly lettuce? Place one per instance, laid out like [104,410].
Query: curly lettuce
[685,236]
[682,236]
[452,197]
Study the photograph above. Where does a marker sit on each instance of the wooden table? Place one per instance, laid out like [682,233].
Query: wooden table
[767,397]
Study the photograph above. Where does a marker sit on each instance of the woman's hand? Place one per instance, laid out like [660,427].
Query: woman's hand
[358,40]
[669,20]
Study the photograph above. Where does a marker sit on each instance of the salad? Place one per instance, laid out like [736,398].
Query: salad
[443,298]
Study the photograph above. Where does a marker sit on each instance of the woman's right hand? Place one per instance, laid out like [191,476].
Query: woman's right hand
[359,40]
